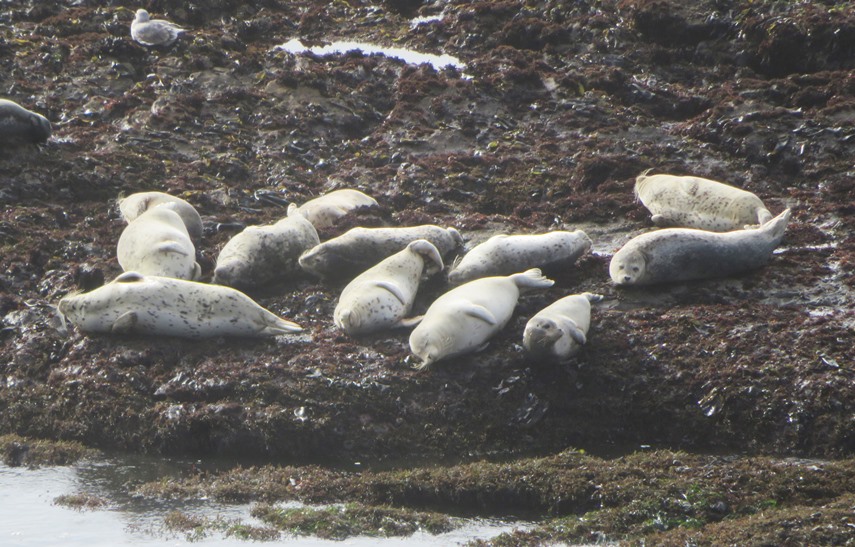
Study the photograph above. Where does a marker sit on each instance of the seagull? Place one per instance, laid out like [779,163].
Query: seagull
[153,32]
[19,126]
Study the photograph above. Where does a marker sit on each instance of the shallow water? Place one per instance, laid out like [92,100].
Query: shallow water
[29,515]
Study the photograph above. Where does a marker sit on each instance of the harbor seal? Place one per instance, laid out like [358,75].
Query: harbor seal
[261,254]
[157,243]
[506,254]
[382,296]
[138,304]
[136,204]
[153,32]
[324,211]
[559,330]
[19,126]
[681,254]
[466,317]
[694,202]
[358,249]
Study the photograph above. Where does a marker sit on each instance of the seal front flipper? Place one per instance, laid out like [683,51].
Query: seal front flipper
[409,321]
[659,220]
[576,333]
[125,323]
[394,289]
[171,247]
[482,313]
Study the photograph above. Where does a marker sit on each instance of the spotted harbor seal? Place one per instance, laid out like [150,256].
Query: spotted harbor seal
[680,254]
[466,317]
[153,32]
[19,126]
[136,204]
[157,243]
[559,330]
[324,211]
[140,304]
[261,254]
[358,249]
[382,296]
[694,202]
[506,254]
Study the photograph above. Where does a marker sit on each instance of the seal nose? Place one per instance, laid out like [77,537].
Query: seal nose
[626,279]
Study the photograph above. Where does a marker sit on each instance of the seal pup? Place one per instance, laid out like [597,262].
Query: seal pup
[153,32]
[134,303]
[466,317]
[325,210]
[681,254]
[19,126]
[382,296]
[506,254]
[559,330]
[157,243]
[261,254]
[136,204]
[358,249]
[694,202]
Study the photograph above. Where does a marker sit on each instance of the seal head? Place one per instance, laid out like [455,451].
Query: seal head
[19,126]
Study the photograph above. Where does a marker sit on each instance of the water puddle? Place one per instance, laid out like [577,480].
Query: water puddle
[29,514]
[439,62]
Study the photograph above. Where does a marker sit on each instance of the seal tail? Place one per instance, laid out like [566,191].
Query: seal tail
[776,227]
[531,279]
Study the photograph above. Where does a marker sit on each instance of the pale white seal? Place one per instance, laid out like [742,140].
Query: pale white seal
[19,126]
[157,243]
[695,202]
[466,317]
[382,296]
[559,330]
[360,248]
[324,211]
[136,204]
[506,254]
[153,32]
[680,254]
[262,254]
[139,304]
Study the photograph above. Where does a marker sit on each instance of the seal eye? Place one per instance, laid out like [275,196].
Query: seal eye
[635,268]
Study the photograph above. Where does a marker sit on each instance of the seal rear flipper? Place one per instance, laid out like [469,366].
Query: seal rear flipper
[763,215]
[482,313]
[394,289]
[777,226]
[408,322]
[280,327]
[593,297]
[125,323]
[531,279]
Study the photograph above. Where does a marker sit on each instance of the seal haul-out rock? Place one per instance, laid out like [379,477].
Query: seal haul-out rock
[153,32]
[506,254]
[325,210]
[138,304]
[19,126]
[466,317]
[694,202]
[262,254]
[136,204]
[382,296]
[682,254]
[157,243]
[358,249]
[559,330]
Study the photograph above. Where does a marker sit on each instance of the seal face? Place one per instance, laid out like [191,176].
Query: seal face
[137,304]
[559,330]
[19,126]
[466,317]
[681,254]
[382,296]
[695,202]
[506,254]
[262,254]
[324,211]
[136,204]
[153,32]
[157,243]
[358,249]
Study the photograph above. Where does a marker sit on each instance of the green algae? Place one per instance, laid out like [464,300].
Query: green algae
[17,451]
